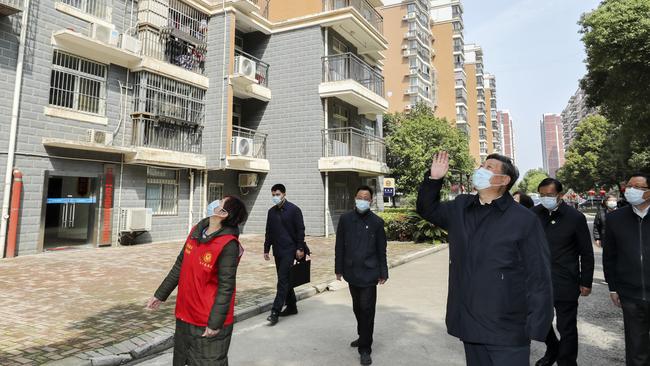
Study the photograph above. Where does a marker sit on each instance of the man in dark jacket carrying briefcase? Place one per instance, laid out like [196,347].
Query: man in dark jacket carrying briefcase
[360,258]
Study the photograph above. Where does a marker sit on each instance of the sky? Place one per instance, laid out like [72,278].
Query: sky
[534,49]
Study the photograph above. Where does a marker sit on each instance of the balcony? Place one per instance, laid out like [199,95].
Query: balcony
[248,151]
[96,8]
[348,78]
[364,8]
[9,7]
[251,77]
[348,149]
[94,49]
[167,144]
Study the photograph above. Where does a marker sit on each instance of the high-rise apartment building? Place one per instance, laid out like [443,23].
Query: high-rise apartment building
[449,60]
[477,117]
[552,143]
[134,115]
[508,133]
[494,127]
[408,58]
[574,112]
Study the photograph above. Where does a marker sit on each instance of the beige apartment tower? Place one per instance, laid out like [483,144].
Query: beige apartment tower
[448,61]
[411,77]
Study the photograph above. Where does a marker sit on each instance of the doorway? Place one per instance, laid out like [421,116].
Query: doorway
[71,208]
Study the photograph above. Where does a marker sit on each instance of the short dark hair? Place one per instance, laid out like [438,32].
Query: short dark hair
[642,175]
[525,199]
[279,187]
[365,188]
[237,213]
[548,182]
[508,168]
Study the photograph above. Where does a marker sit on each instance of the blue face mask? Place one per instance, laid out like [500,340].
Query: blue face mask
[362,205]
[212,208]
[634,196]
[276,200]
[481,178]
[549,202]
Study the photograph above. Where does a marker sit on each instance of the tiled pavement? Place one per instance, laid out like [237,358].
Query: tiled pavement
[55,305]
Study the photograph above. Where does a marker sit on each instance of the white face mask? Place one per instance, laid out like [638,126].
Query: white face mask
[612,204]
[634,196]
[549,202]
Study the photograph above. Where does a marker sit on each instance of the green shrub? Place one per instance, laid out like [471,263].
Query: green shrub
[409,226]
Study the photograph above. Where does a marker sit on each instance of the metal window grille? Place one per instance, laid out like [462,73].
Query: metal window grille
[215,191]
[149,132]
[97,8]
[188,19]
[78,84]
[162,191]
[342,197]
[168,99]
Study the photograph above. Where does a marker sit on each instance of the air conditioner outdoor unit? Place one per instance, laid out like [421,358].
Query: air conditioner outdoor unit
[242,146]
[246,66]
[105,33]
[135,219]
[99,137]
[247,180]
[130,44]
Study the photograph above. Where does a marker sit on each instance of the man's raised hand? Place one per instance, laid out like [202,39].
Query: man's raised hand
[440,165]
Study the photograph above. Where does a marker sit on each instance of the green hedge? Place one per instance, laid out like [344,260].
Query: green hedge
[407,225]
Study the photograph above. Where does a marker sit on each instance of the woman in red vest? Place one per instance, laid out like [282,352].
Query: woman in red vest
[205,273]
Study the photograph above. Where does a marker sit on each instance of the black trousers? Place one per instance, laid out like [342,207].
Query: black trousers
[489,355]
[364,301]
[285,293]
[565,350]
[636,318]
[193,350]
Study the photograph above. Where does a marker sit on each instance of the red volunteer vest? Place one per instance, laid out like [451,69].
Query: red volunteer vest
[198,281]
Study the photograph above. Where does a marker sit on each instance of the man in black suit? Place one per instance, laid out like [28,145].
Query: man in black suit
[360,258]
[572,269]
[285,232]
[500,294]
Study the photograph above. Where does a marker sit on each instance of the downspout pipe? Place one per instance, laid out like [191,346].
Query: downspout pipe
[11,150]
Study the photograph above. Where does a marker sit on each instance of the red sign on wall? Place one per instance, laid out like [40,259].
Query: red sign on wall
[107,206]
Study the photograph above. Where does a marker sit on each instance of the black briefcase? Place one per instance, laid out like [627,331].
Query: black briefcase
[300,273]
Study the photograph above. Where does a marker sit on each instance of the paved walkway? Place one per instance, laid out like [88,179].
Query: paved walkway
[55,305]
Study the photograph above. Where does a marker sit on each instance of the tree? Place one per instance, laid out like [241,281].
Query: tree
[531,180]
[617,42]
[413,138]
[588,162]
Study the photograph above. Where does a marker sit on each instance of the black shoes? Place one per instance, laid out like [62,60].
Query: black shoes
[545,361]
[289,311]
[355,343]
[365,358]
[273,318]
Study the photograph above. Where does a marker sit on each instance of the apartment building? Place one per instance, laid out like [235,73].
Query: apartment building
[134,115]
[508,133]
[552,143]
[449,60]
[477,118]
[494,127]
[574,112]
[408,58]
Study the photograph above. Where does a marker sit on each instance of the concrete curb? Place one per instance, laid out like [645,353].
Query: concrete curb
[164,338]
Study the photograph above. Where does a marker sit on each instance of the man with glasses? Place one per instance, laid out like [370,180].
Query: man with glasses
[572,269]
[626,263]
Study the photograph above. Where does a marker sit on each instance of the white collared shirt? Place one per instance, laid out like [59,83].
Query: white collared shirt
[641,213]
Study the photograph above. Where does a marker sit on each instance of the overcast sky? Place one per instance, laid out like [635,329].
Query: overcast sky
[534,49]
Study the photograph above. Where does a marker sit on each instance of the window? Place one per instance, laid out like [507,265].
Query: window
[78,84]
[97,8]
[162,191]
[338,47]
[215,192]
[341,197]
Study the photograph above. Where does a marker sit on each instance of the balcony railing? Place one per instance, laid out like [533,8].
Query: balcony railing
[8,7]
[172,50]
[349,141]
[247,142]
[261,68]
[148,132]
[96,8]
[348,66]
[366,10]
